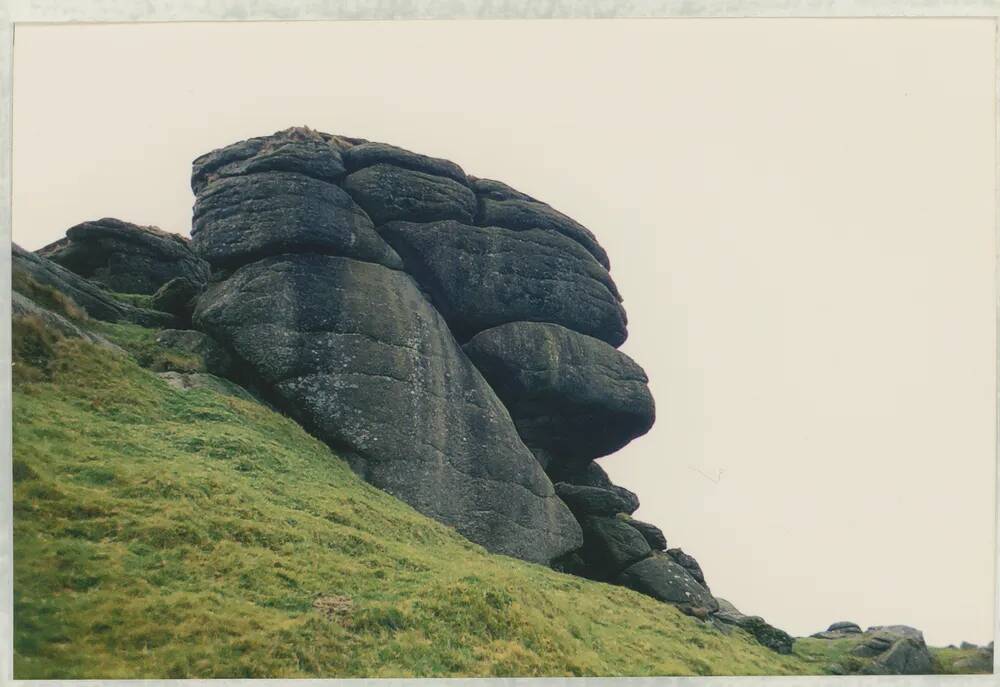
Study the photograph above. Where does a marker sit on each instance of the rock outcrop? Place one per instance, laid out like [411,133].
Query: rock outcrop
[765,633]
[453,338]
[314,303]
[126,257]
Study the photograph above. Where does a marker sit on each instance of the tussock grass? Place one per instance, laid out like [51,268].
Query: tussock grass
[161,533]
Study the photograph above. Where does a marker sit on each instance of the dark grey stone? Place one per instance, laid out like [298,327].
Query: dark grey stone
[609,546]
[898,631]
[240,219]
[689,563]
[590,475]
[590,500]
[845,627]
[572,395]
[496,190]
[521,214]
[766,634]
[907,656]
[662,578]
[389,193]
[354,352]
[94,300]
[482,277]
[297,149]
[654,535]
[368,154]
[126,257]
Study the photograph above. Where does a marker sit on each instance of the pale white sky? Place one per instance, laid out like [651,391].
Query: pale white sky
[799,214]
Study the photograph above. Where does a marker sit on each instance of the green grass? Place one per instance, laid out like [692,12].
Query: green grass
[161,533]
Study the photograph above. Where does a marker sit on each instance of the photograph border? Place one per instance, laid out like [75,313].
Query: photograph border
[14,12]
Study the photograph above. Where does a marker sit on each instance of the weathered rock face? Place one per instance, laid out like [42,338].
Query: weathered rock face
[238,219]
[689,563]
[482,277]
[125,257]
[571,395]
[591,500]
[523,214]
[299,150]
[610,546]
[97,302]
[654,535]
[660,577]
[389,193]
[358,355]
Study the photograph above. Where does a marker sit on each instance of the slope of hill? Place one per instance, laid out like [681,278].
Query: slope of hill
[187,533]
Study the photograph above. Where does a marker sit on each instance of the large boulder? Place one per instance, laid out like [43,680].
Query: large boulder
[662,578]
[389,193]
[482,277]
[126,257]
[570,394]
[241,218]
[355,352]
[609,546]
[894,652]
[94,300]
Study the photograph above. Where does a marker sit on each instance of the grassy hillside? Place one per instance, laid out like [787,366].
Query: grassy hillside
[166,533]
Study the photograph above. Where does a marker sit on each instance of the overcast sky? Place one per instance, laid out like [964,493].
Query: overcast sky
[799,214]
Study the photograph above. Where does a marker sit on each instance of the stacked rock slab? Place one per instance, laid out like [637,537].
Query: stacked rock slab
[126,257]
[314,301]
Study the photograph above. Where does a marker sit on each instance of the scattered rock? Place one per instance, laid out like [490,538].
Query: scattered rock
[967,645]
[389,193]
[482,277]
[662,578]
[765,633]
[354,351]
[898,631]
[571,395]
[126,257]
[980,662]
